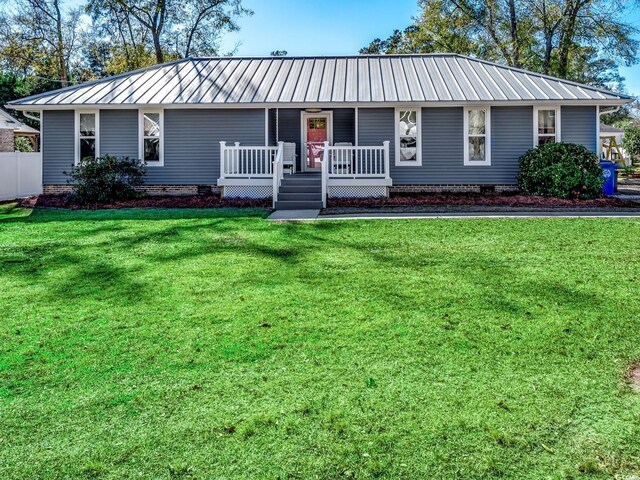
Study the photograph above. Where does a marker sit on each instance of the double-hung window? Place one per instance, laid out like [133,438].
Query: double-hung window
[87,135]
[408,141]
[151,148]
[546,125]
[477,131]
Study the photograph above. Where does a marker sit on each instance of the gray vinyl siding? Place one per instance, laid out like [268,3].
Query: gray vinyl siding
[442,145]
[58,145]
[192,136]
[578,125]
[344,125]
[119,133]
[511,136]
[288,128]
[191,141]
[289,124]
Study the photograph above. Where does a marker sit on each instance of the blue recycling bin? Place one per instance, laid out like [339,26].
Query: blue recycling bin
[609,176]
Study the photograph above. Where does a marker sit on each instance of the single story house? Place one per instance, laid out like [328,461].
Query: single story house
[343,125]
[11,128]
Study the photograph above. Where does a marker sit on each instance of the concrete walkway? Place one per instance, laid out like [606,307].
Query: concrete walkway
[312,215]
[293,215]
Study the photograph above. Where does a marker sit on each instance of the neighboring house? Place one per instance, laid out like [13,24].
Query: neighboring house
[11,128]
[359,125]
[611,144]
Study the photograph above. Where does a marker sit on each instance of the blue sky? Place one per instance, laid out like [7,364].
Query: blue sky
[339,27]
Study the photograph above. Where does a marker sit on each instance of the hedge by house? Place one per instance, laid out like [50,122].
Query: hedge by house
[563,170]
[105,179]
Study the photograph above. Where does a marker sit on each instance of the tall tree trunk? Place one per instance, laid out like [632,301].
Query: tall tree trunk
[157,46]
[62,63]
[567,35]
[515,41]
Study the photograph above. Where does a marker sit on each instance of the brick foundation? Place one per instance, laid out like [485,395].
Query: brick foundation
[6,140]
[450,188]
[56,189]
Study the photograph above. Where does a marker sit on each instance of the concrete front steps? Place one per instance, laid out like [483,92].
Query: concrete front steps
[300,192]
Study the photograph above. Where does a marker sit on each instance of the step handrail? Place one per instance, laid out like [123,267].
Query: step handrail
[324,167]
[278,172]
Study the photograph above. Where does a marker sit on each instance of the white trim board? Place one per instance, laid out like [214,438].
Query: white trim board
[487,137]
[396,126]
[76,126]
[141,113]
[558,110]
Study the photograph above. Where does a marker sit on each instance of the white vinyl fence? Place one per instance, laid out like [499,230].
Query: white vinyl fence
[20,175]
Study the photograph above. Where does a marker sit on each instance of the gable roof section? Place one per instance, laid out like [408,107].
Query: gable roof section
[316,80]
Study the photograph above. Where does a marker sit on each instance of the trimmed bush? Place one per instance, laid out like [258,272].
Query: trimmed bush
[22,144]
[105,179]
[563,170]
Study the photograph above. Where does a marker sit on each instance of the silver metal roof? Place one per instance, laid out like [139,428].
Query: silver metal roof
[316,80]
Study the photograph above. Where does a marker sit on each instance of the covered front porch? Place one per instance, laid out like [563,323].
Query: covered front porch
[306,142]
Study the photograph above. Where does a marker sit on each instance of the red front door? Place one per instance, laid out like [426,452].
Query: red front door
[316,136]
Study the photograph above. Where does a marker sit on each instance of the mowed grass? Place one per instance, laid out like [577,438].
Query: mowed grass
[167,344]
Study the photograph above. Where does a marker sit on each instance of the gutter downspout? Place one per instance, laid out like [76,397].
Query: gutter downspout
[32,117]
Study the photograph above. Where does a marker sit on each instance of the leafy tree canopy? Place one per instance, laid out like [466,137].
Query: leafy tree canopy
[581,40]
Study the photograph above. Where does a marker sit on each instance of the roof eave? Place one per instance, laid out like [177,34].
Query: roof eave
[434,103]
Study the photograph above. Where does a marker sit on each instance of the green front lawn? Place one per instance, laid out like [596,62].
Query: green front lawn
[213,344]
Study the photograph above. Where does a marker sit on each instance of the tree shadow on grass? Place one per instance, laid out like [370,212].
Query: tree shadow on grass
[43,215]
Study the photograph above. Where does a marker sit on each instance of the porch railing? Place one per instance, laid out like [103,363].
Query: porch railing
[358,161]
[246,161]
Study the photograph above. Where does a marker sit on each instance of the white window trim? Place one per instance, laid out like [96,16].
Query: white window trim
[396,121]
[77,132]
[536,109]
[487,137]
[141,136]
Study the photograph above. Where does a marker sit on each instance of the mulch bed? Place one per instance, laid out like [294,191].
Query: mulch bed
[477,199]
[465,201]
[187,201]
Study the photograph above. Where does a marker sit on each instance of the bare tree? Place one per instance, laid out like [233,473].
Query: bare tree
[40,35]
[176,28]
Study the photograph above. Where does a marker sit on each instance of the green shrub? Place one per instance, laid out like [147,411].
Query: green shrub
[563,170]
[22,144]
[105,179]
[631,141]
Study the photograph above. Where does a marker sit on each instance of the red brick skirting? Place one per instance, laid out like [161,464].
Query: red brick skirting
[56,189]
[451,188]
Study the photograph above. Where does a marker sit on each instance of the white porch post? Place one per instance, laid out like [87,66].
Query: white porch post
[223,147]
[387,173]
